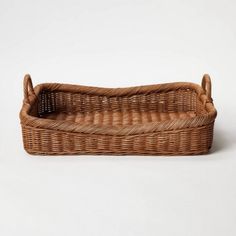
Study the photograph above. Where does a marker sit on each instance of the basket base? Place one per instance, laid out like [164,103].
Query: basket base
[118,118]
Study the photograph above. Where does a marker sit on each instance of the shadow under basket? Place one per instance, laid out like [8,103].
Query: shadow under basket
[165,119]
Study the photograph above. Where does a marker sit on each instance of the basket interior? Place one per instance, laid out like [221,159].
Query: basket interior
[118,110]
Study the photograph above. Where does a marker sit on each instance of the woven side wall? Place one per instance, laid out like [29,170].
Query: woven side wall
[178,142]
[173,101]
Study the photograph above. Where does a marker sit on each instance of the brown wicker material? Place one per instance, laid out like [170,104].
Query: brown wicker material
[165,119]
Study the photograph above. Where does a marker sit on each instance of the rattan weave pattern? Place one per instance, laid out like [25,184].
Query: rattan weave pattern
[165,119]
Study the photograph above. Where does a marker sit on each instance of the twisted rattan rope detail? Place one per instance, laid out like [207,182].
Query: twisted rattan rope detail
[28,88]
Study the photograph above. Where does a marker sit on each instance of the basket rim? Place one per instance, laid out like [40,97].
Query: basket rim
[119,91]
[149,127]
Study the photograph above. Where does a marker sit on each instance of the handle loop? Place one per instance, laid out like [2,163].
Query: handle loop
[28,88]
[206,85]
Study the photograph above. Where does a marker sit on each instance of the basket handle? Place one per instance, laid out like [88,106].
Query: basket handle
[206,85]
[28,88]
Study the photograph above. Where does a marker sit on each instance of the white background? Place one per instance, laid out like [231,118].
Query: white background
[117,43]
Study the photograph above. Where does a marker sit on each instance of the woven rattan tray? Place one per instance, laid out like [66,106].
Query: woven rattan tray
[165,119]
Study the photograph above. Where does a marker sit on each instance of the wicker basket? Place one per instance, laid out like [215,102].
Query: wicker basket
[165,119]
